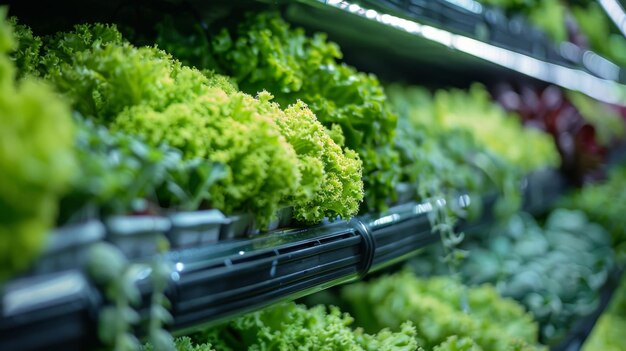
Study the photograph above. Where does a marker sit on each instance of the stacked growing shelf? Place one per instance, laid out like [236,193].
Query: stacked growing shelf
[221,266]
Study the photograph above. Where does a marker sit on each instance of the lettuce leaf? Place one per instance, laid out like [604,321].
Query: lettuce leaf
[270,158]
[440,307]
[264,53]
[288,326]
[36,159]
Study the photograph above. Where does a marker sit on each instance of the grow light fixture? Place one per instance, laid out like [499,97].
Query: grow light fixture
[469,5]
[603,89]
[615,11]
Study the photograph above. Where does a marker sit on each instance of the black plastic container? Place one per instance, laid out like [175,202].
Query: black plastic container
[284,219]
[195,228]
[237,226]
[67,247]
[542,188]
[137,236]
[48,312]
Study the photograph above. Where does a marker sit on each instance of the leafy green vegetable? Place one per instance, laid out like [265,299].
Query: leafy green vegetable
[261,164]
[440,307]
[442,158]
[453,343]
[461,140]
[36,159]
[111,270]
[432,158]
[499,131]
[608,333]
[117,171]
[288,326]
[264,53]
[145,92]
[555,271]
[104,75]
[331,183]
[184,343]
[605,203]
[27,54]
[161,340]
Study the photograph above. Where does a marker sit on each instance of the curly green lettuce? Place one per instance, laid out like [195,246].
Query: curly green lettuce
[440,307]
[143,91]
[454,343]
[103,75]
[36,159]
[261,169]
[331,182]
[499,131]
[117,172]
[184,343]
[265,53]
[27,55]
[289,326]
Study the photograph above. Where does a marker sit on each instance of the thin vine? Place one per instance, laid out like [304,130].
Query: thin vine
[118,320]
[110,269]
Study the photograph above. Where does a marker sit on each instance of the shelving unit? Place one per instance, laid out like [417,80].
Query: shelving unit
[214,282]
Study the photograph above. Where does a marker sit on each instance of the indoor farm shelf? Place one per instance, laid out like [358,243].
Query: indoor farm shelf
[215,282]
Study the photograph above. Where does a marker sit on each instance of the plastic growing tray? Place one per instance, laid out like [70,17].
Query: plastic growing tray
[136,236]
[195,228]
[237,226]
[67,246]
[48,312]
